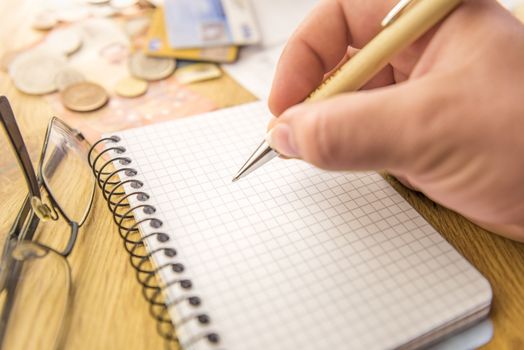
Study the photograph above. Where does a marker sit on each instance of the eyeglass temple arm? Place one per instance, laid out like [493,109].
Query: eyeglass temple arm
[22,224]
[13,133]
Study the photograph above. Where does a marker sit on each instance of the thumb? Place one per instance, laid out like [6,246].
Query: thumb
[385,128]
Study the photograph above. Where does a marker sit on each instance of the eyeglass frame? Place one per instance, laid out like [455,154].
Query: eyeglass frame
[35,183]
[33,210]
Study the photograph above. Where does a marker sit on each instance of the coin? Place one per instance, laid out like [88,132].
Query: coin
[73,13]
[102,11]
[68,76]
[34,72]
[150,68]
[131,87]
[122,4]
[84,97]
[44,20]
[65,41]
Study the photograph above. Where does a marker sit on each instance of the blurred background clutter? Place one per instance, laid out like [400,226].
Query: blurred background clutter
[107,65]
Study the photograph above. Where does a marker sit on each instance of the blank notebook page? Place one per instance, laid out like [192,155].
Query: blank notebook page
[293,257]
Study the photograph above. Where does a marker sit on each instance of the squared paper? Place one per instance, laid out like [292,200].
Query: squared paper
[293,257]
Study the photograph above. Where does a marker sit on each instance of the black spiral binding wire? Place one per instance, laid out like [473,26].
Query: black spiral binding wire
[109,181]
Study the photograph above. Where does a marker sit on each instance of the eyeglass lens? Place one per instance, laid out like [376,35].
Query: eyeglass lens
[37,301]
[66,172]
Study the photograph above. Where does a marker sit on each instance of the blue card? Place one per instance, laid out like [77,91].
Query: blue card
[207,23]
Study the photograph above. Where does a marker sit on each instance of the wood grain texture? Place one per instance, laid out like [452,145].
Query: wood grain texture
[109,311]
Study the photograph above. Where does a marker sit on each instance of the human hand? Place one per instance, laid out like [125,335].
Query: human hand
[446,116]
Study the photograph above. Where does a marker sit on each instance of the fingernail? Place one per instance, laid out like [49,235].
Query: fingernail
[281,140]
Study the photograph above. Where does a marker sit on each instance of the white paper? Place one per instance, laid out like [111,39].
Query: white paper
[292,257]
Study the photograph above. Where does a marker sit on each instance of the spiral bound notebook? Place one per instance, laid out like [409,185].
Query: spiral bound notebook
[291,257]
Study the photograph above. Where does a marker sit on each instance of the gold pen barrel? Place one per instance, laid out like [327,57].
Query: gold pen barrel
[395,37]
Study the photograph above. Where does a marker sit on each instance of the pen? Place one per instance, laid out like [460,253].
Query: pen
[404,24]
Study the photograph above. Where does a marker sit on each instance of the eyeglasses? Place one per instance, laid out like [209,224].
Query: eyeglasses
[35,277]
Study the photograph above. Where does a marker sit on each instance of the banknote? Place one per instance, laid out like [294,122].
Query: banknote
[157,45]
[208,23]
[164,100]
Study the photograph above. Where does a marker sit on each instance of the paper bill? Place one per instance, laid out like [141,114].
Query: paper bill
[157,45]
[164,100]
[197,72]
[208,23]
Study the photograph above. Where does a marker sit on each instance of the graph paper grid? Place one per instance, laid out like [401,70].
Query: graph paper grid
[293,257]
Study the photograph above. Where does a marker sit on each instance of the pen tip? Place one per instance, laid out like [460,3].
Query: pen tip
[235,179]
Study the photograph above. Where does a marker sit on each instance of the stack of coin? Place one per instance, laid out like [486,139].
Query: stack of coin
[35,71]
[45,69]
[143,69]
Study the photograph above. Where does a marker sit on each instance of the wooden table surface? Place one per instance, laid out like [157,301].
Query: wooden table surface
[109,310]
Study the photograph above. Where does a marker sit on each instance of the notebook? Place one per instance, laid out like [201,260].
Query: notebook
[290,257]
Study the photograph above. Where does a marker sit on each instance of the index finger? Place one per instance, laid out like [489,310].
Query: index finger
[319,44]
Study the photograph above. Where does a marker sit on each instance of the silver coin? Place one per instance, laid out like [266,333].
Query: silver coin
[34,72]
[122,4]
[71,14]
[68,76]
[64,41]
[150,68]
[44,20]
[102,11]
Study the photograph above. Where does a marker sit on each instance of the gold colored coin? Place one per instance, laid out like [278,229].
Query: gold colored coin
[131,87]
[84,97]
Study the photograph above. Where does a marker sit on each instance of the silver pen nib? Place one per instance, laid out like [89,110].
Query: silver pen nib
[261,156]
